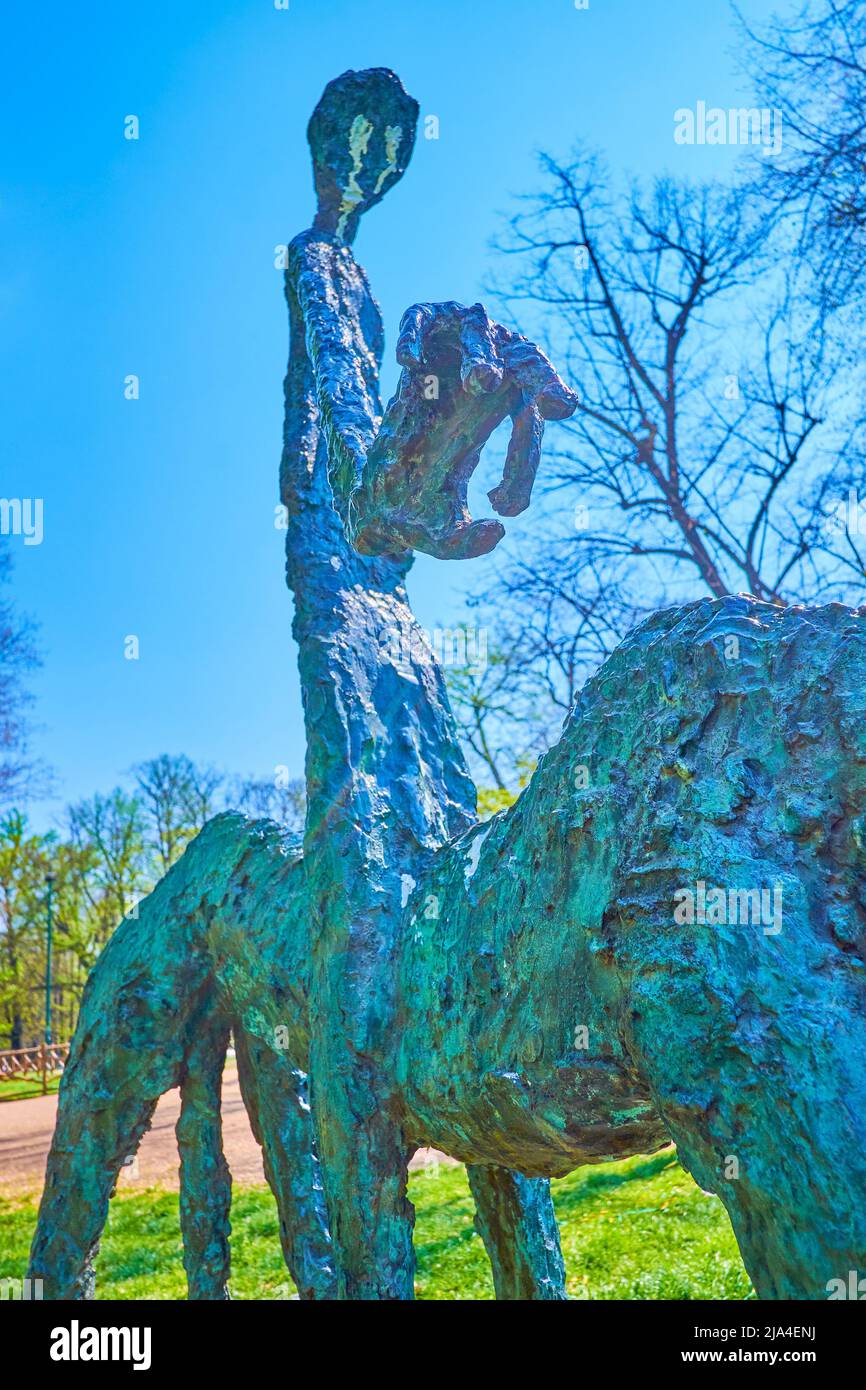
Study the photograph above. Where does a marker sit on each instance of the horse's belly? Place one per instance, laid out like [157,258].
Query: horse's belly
[543,1123]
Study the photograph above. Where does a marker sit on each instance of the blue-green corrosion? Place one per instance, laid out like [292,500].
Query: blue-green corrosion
[533,993]
[387,784]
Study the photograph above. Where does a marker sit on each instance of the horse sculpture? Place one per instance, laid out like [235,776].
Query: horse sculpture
[663,939]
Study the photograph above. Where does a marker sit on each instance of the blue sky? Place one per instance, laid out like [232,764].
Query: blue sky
[155,257]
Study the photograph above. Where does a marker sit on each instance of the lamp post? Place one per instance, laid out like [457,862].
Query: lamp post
[49,883]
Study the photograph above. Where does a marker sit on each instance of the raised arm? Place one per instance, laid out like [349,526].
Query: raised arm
[463,374]
[400,482]
[330,291]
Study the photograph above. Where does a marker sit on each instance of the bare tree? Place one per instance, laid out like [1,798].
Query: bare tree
[177,797]
[277,798]
[108,833]
[18,657]
[511,706]
[810,64]
[482,697]
[717,436]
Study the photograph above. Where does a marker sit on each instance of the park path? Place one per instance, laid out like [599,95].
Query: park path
[26,1127]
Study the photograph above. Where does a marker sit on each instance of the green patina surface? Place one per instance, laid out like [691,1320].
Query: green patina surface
[520,993]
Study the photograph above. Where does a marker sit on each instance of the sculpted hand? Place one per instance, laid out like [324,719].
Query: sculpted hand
[462,376]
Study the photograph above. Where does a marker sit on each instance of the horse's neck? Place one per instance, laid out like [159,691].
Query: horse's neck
[382,750]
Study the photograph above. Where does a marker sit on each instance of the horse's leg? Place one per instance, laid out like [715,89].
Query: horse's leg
[754,1045]
[514,1217]
[127,1050]
[365,1158]
[275,1096]
[143,1003]
[797,1193]
[87,1152]
[205,1180]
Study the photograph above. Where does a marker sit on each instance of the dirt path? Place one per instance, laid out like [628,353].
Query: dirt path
[26,1127]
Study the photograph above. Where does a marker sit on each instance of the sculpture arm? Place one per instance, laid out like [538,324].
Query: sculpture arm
[463,374]
[399,482]
[323,275]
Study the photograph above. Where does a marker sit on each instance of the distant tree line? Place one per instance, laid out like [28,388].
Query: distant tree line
[107,852]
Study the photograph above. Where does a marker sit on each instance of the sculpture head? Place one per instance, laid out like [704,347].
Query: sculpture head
[361,136]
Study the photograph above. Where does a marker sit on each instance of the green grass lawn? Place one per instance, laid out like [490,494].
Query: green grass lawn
[24,1088]
[637,1229]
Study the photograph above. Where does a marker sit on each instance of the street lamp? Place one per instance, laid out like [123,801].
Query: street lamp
[49,883]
